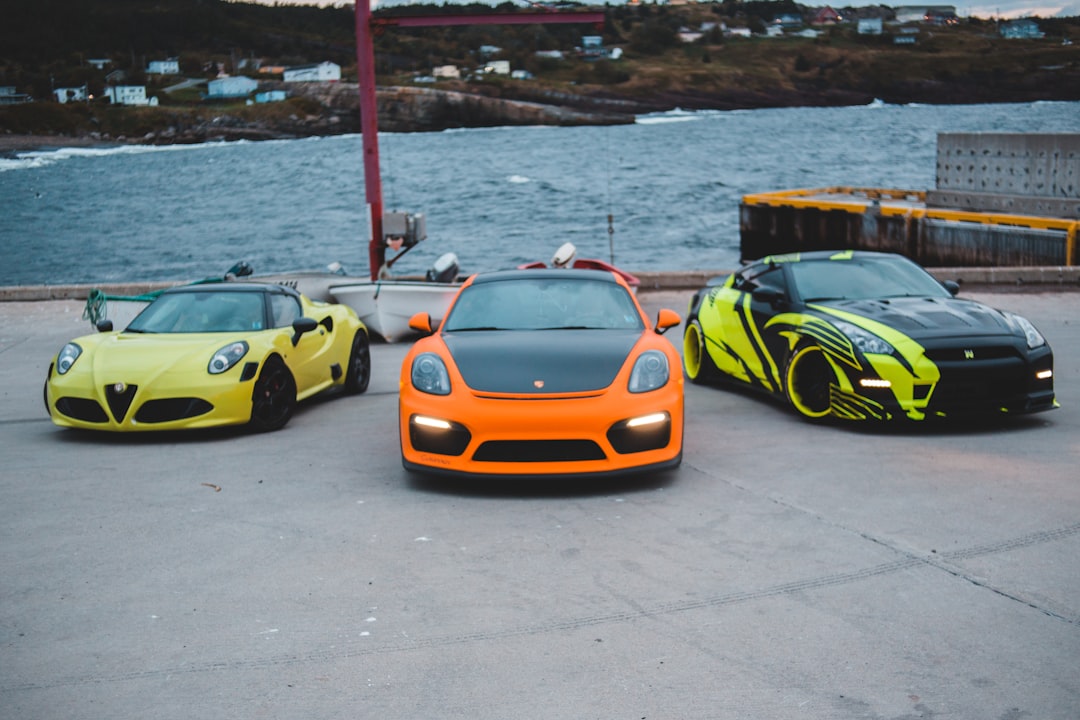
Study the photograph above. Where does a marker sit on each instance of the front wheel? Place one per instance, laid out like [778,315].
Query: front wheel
[808,382]
[274,396]
[359,373]
[697,363]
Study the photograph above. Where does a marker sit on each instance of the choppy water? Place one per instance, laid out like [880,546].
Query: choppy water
[496,197]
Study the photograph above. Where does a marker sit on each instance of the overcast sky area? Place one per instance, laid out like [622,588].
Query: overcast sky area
[982,9]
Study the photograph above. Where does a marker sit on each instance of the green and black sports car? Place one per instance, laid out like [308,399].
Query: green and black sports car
[863,335]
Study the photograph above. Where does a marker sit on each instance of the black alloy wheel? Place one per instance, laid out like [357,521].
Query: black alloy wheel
[359,373]
[274,396]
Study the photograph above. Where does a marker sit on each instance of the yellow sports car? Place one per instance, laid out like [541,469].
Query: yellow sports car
[207,355]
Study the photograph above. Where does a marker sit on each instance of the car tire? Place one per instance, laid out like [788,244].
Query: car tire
[808,381]
[273,399]
[697,363]
[358,375]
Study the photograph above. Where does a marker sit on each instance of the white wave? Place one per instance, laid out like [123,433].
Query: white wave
[518,179]
[679,115]
[41,158]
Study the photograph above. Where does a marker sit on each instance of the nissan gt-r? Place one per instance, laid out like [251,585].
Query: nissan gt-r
[207,355]
[862,335]
[542,373]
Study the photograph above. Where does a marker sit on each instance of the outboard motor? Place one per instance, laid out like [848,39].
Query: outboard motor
[564,256]
[444,270]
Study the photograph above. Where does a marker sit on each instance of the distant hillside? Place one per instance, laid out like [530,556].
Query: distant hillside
[45,44]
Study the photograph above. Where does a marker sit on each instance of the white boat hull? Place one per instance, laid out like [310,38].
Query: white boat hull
[385,306]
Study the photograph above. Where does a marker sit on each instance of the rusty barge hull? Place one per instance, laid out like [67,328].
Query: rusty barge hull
[1001,200]
[900,221]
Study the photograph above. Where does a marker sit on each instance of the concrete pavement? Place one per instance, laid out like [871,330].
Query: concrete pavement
[786,570]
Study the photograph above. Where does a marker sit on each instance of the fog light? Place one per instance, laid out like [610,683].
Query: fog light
[647,420]
[431,422]
[646,432]
[438,436]
[1044,374]
[875,383]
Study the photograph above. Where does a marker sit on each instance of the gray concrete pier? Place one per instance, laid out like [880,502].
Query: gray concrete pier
[786,570]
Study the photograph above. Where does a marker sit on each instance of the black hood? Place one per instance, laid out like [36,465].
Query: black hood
[924,318]
[564,361]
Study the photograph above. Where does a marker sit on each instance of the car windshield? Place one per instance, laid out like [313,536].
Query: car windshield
[863,278]
[543,304]
[202,312]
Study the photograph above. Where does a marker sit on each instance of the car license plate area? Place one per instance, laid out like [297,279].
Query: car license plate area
[535,451]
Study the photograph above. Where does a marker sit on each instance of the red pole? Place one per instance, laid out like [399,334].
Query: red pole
[365,70]
[369,128]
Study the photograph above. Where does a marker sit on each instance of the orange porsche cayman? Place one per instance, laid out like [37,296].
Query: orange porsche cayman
[542,372]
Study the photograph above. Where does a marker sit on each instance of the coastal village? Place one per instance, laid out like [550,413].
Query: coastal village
[645,58]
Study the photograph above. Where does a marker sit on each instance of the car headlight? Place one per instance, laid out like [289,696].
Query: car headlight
[1022,324]
[650,372]
[429,374]
[226,357]
[67,357]
[866,341]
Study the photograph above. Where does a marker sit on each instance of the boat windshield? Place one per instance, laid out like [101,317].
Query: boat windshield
[202,312]
[543,304]
[863,278]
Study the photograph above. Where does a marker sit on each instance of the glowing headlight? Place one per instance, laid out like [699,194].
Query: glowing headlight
[431,422]
[226,357]
[68,355]
[650,372]
[866,341]
[429,374]
[1033,336]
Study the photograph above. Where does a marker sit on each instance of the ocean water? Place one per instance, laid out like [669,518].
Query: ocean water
[496,197]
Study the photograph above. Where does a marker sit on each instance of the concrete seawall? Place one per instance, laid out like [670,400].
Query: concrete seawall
[1032,278]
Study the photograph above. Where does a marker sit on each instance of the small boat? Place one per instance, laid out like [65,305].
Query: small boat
[566,257]
[385,305]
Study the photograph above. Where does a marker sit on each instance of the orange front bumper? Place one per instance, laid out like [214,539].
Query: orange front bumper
[466,434]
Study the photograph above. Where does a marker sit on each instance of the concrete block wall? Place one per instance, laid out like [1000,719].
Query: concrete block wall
[1019,173]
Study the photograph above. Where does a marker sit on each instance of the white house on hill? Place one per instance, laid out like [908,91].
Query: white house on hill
[70,94]
[129,95]
[230,87]
[323,72]
[163,67]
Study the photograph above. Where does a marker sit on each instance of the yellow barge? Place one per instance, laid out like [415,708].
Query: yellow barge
[1001,201]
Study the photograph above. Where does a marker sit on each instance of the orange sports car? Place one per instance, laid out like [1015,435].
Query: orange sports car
[542,372]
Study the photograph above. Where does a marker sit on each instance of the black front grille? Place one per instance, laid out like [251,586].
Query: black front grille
[120,402]
[529,451]
[974,387]
[159,411]
[972,354]
[81,409]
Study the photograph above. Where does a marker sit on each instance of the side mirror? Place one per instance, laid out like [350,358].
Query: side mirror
[104,325]
[952,286]
[666,319]
[421,323]
[301,326]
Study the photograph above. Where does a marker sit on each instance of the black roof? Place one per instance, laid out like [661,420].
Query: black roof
[234,287]
[545,274]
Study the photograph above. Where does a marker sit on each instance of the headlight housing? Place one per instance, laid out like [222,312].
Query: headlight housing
[1022,324]
[226,357]
[650,372]
[866,341]
[429,374]
[67,357]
